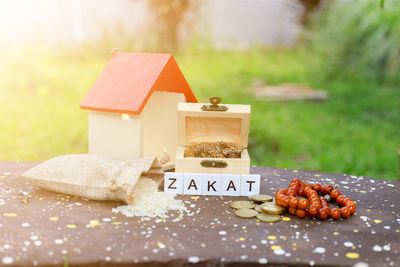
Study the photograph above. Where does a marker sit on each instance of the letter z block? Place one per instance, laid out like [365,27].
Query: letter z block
[173,183]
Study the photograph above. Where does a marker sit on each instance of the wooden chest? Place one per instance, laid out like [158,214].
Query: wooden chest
[200,123]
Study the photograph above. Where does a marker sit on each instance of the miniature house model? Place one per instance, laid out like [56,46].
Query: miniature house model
[133,106]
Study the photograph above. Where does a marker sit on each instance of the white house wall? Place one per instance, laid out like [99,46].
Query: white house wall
[114,135]
[159,123]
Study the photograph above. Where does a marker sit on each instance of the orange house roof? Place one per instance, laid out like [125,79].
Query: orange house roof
[129,79]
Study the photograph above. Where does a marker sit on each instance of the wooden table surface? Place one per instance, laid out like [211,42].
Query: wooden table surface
[41,228]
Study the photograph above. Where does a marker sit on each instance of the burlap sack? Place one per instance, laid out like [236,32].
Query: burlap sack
[94,177]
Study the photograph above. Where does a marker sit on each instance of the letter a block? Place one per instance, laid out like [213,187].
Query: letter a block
[192,183]
[212,184]
[173,183]
[250,184]
[230,185]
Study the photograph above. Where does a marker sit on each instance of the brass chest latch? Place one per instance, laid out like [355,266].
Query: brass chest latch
[215,106]
[213,164]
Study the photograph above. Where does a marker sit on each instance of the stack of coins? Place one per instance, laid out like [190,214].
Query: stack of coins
[262,207]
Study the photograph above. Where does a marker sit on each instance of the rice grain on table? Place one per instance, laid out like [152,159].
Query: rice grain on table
[151,203]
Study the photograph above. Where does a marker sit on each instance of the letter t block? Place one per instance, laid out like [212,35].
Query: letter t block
[250,184]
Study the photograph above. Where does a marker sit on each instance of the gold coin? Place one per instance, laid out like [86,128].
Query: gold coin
[246,213]
[271,218]
[261,198]
[258,208]
[272,208]
[242,204]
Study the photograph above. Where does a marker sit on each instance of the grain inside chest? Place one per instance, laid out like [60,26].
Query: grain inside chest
[213,140]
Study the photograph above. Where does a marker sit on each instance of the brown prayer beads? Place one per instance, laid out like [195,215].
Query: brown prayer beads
[314,206]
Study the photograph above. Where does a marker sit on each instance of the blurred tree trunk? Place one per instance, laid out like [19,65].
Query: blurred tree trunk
[168,17]
[309,7]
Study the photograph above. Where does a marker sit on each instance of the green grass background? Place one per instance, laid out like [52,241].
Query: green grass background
[354,132]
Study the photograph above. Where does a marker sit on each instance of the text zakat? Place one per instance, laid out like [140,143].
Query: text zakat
[212,184]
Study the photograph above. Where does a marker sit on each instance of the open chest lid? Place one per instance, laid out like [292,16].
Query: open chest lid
[206,123]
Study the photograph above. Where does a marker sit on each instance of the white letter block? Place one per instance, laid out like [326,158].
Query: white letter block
[250,184]
[230,185]
[173,182]
[192,183]
[212,184]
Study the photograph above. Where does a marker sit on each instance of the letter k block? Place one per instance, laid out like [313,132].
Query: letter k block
[212,184]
